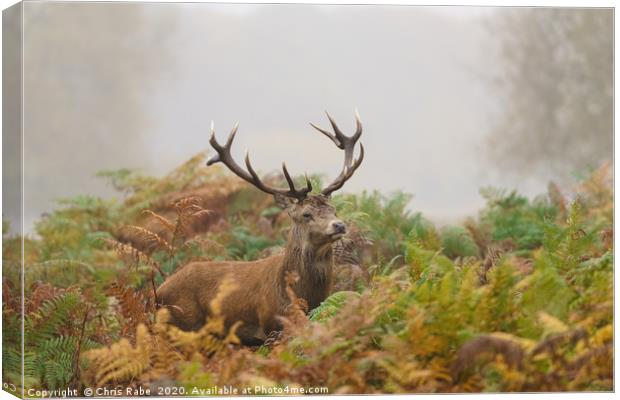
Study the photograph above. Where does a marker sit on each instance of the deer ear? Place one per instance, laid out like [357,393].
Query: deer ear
[282,201]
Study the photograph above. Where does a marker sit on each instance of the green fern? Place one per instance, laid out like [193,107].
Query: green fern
[512,216]
[385,220]
[56,361]
[456,241]
[246,245]
[330,306]
[53,315]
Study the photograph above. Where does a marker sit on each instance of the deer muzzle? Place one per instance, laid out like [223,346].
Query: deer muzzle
[337,229]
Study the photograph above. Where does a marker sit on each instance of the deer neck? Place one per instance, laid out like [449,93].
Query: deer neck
[312,264]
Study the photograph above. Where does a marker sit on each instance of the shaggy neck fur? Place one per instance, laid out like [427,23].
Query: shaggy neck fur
[314,266]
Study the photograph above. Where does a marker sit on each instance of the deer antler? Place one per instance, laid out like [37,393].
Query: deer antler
[223,155]
[346,143]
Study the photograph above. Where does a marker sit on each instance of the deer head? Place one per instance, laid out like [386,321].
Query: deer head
[313,216]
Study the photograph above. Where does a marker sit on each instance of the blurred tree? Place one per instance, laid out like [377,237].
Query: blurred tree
[555,89]
[89,70]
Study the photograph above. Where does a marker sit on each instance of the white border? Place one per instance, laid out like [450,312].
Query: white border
[544,3]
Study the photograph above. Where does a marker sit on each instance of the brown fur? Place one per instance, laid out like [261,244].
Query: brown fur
[260,296]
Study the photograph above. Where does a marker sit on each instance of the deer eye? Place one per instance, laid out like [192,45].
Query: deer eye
[307,216]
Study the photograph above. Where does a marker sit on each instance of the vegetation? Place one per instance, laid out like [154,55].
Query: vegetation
[517,299]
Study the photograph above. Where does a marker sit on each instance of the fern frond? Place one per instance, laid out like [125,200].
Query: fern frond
[56,361]
[202,214]
[122,361]
[188,203]
[165,222]
[134,255]
[52,316]
[551,324]
[331,306]
[132,305]
[149,241]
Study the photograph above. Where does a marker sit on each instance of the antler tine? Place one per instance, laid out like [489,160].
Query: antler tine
[358,126]
[346,143]
[308,183]
[345,175]
[215,145]
[224,156]
[328,134]
[337,132]
[255,179]
[291,184]
[223,152]
[287,176]
[231,137]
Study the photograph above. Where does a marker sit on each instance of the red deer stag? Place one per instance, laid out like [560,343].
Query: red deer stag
[260,296]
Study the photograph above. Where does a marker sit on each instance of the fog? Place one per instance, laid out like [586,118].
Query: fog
[112,85]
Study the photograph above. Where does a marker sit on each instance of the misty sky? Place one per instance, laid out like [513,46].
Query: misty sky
[114,85]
